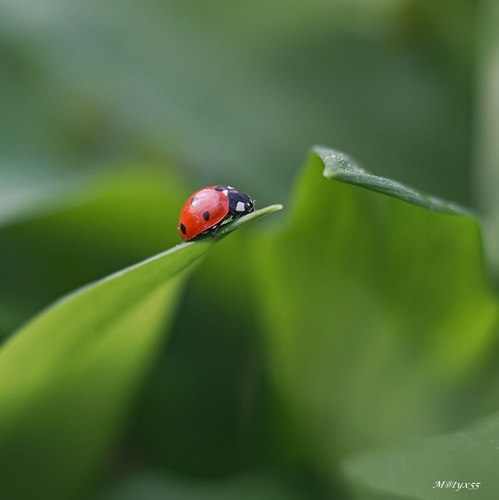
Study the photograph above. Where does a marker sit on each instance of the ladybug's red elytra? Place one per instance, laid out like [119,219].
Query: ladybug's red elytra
[207,209]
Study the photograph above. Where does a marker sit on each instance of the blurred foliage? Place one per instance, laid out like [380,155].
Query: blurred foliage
[82,234]
[254,486]
[486,174]
[357,320]
[468,456]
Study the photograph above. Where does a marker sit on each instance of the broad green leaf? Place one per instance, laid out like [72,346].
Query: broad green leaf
[67,377]
[376,310]
[463,463]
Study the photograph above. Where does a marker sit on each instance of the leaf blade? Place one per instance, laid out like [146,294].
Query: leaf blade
[373,306]
[79,364]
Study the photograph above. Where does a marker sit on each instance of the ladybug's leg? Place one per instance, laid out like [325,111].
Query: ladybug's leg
[234,215]
[231,216]
[214,229]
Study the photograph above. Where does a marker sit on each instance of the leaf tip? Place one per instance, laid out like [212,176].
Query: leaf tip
[257,214]
[340,167]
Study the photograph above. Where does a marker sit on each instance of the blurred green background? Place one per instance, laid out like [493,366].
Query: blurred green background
[113,112]
[239,91]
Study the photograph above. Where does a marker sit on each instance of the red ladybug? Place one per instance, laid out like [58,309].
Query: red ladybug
[207,209]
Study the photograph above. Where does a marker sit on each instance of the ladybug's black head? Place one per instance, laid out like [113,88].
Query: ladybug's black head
[240,203]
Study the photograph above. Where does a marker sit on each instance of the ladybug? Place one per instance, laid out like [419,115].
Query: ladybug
[207,209]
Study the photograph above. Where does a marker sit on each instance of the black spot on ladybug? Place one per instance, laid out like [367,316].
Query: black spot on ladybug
[194,201]
[206,215]
[182,228]
[220,188]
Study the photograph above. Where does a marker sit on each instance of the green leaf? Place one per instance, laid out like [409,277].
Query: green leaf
[67,377]
[376,311]
[257,214]
[438,467]
[342,168]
